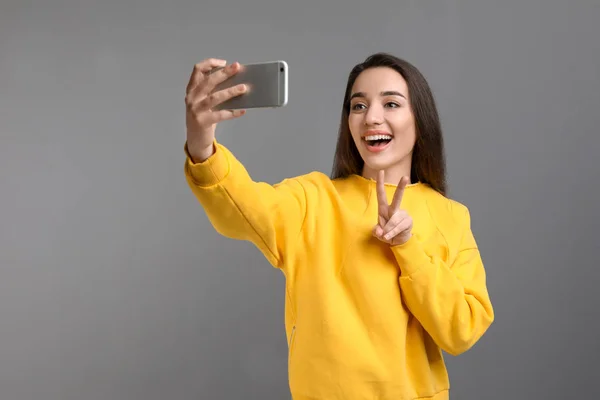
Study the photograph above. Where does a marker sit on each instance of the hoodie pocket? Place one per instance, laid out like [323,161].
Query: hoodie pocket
[291,347]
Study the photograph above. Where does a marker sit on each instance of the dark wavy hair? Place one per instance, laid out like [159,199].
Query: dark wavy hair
[428,159]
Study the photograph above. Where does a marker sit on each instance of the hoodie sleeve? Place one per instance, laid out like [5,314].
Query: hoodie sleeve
[269,216]
[450,301]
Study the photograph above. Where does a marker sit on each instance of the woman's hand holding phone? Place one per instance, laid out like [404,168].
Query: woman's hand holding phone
[201,120]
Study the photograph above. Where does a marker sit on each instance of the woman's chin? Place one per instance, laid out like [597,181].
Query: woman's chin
[377,162]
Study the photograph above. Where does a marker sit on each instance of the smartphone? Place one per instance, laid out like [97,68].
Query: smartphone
[267,83]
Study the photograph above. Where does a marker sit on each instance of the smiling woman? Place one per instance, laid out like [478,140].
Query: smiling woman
[388,96]
[375,290]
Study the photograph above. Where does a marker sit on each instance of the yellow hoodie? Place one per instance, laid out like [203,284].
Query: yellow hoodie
[364,320]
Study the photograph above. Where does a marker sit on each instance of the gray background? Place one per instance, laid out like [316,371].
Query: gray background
[114,286]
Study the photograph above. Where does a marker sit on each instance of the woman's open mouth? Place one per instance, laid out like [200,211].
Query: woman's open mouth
[377,143]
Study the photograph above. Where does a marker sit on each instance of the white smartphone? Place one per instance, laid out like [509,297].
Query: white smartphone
[267,83]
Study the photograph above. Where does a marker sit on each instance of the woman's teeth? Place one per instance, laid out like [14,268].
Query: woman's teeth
[375,138]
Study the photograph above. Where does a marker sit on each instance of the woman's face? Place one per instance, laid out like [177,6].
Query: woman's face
[382,123]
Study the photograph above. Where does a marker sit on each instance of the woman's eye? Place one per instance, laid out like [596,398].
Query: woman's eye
[360,106]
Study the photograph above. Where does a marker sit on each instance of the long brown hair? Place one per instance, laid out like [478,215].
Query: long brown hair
[428,159]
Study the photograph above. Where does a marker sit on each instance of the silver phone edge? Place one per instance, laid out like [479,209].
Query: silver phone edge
[283,80]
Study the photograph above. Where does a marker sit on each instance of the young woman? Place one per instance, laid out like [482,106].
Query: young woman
[375,290]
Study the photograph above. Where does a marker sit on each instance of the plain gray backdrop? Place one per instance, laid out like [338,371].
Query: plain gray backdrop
[113,285]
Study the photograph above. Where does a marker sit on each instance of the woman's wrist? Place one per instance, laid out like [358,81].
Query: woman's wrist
[199,156]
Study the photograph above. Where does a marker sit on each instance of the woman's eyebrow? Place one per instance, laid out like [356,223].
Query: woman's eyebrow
[386,93]
[392,93]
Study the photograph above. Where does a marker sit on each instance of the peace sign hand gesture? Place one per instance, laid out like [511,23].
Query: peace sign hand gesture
[394,225]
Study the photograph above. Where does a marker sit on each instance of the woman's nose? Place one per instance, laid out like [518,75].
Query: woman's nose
[374,116]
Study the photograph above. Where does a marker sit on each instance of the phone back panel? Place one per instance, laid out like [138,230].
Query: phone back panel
[267,83]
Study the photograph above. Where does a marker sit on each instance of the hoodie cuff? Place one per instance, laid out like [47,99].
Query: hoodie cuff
[211,171]
[411,256]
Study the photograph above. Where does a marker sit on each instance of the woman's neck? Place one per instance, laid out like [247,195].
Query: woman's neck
[393,173]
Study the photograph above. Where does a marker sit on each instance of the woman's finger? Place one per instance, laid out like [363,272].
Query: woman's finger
[398,229]
[382,221]
[378,231]
[397,224]
[218,77]
[393,221]
[202,68]
[381,195]
[219,97]
[398,194]
[224,115]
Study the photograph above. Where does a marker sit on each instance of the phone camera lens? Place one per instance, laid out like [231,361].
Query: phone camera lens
[281,69]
